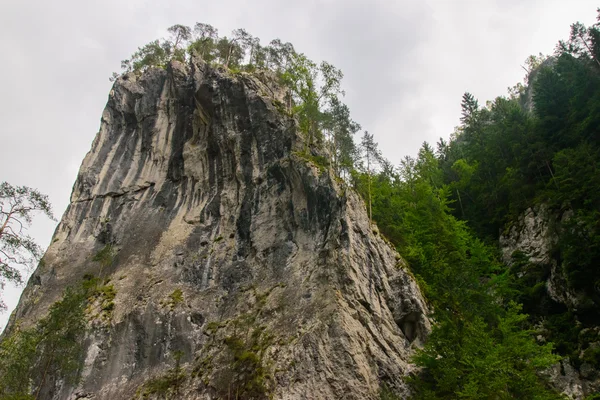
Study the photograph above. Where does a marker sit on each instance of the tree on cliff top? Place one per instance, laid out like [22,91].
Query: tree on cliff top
[18,205]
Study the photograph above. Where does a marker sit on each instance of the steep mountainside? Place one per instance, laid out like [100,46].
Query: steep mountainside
[231,258]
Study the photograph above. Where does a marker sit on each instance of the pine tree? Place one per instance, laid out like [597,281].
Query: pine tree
[18,205]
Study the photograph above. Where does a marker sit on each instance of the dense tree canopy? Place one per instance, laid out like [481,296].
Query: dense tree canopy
[481,345]
[445,211]
[540,147]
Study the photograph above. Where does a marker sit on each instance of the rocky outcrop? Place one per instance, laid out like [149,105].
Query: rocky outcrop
[231,255]
[573,383]
[535,234]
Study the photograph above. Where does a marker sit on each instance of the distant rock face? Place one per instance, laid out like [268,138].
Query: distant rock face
[259,269]
[535,234]
[532,234]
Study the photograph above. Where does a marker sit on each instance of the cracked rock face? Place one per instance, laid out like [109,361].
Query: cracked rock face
[225,247]
[535,233]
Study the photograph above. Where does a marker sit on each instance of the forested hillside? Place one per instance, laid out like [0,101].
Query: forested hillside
[446,209]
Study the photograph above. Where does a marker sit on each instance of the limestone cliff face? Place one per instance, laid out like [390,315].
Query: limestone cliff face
[224,246]
[536,234]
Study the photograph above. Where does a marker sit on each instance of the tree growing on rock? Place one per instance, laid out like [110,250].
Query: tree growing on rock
[34,358]
[279,55]
[180,36]
[311,86]
[372,156]
[341,128]
[204,41]
[153,54]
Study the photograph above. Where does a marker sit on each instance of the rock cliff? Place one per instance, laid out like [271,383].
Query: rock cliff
[232,257]
[535,234]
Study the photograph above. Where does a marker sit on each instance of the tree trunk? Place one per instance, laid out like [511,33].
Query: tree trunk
[552,174]
[46,368]
[334,155]
[590,50]
[5,224]
[369,180]
[460,202]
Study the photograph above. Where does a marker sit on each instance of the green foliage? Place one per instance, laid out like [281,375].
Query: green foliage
[18,205]
[204,41]
[591,355]
[62,330]
[17,355]
[241,51]
[340,128]
[318,161]
[99,295]
[372,156]
[506,158]
[469,360]
[524,158]
[105,256]
[51,349]
[176,298]
[166,386]
[107,294]
[34,358]
[481,346]
[250,374]
[312,85]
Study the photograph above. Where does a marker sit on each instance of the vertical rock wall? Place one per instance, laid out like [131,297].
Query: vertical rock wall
[226,250]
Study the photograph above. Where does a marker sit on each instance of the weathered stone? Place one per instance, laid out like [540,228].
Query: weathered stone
[535,233]
[222,237]
[566,378]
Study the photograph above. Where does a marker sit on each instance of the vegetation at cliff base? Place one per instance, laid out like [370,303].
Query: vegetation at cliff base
[539,149]
[50,349]
[32,359]
[481,344]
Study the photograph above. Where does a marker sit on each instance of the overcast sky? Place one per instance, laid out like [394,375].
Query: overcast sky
[406,66]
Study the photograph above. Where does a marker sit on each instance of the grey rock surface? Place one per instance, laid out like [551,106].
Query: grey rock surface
[195,184]
[535,234]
